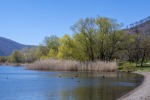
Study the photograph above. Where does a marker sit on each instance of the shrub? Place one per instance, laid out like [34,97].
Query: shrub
[127,66]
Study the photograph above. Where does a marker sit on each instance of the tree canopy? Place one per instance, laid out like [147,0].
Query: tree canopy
[93,39]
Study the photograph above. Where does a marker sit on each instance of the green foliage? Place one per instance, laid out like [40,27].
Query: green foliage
[15,57]
[52,53]
[51,42]
[41,51]
[3,59]
[80,52]
[94,39]
[29,54]
[143,69]
[127,66]
[101,38]
[139,51]
[26,55]
[86,29]
[49,49]
[66,48]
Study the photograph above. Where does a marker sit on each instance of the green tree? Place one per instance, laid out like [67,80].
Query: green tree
[29,54]
[41,51]
[49,49]
[3,59]
[52,53]
[86,29]
[80,51]
[119,41]
[51,42]
[66,48]
[15,57]
[110,39]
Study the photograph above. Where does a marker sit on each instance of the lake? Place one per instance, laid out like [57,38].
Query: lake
[17,83]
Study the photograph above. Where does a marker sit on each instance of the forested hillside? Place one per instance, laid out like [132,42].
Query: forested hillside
[7,46]
[142,26]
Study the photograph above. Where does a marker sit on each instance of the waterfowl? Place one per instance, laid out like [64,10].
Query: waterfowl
[103,76]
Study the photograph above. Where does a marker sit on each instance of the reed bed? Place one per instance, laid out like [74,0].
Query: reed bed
[70,65]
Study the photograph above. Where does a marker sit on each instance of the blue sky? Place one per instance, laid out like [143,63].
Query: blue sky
[29,21]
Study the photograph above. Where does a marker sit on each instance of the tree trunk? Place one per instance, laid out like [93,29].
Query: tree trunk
[143,57]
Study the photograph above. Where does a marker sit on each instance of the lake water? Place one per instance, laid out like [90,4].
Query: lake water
[16,83]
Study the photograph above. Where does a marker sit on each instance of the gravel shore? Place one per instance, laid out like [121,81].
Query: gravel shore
[142,92]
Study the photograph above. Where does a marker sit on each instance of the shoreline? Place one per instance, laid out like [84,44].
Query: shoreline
[142,92]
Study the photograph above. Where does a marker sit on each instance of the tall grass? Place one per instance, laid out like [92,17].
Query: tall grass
[69,65]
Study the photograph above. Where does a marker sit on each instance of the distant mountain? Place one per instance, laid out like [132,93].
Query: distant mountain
[7,46]
[142,26]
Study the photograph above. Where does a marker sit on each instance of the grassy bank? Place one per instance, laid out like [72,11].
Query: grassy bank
[144,69]
[128,66]
[69,65]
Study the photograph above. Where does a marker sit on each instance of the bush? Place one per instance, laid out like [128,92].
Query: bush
[3,59]
[127,66]
[15,57]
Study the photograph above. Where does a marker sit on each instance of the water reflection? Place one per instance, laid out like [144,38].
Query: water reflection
[20,84]
[94,87]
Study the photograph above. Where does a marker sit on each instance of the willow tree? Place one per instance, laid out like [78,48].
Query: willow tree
[103,31]
[110,38]
[85,28]
[66,48]
[80,53]
[51,42]
[100,38]
[49,48]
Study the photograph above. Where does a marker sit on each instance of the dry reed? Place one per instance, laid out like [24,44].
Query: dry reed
[69,65]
